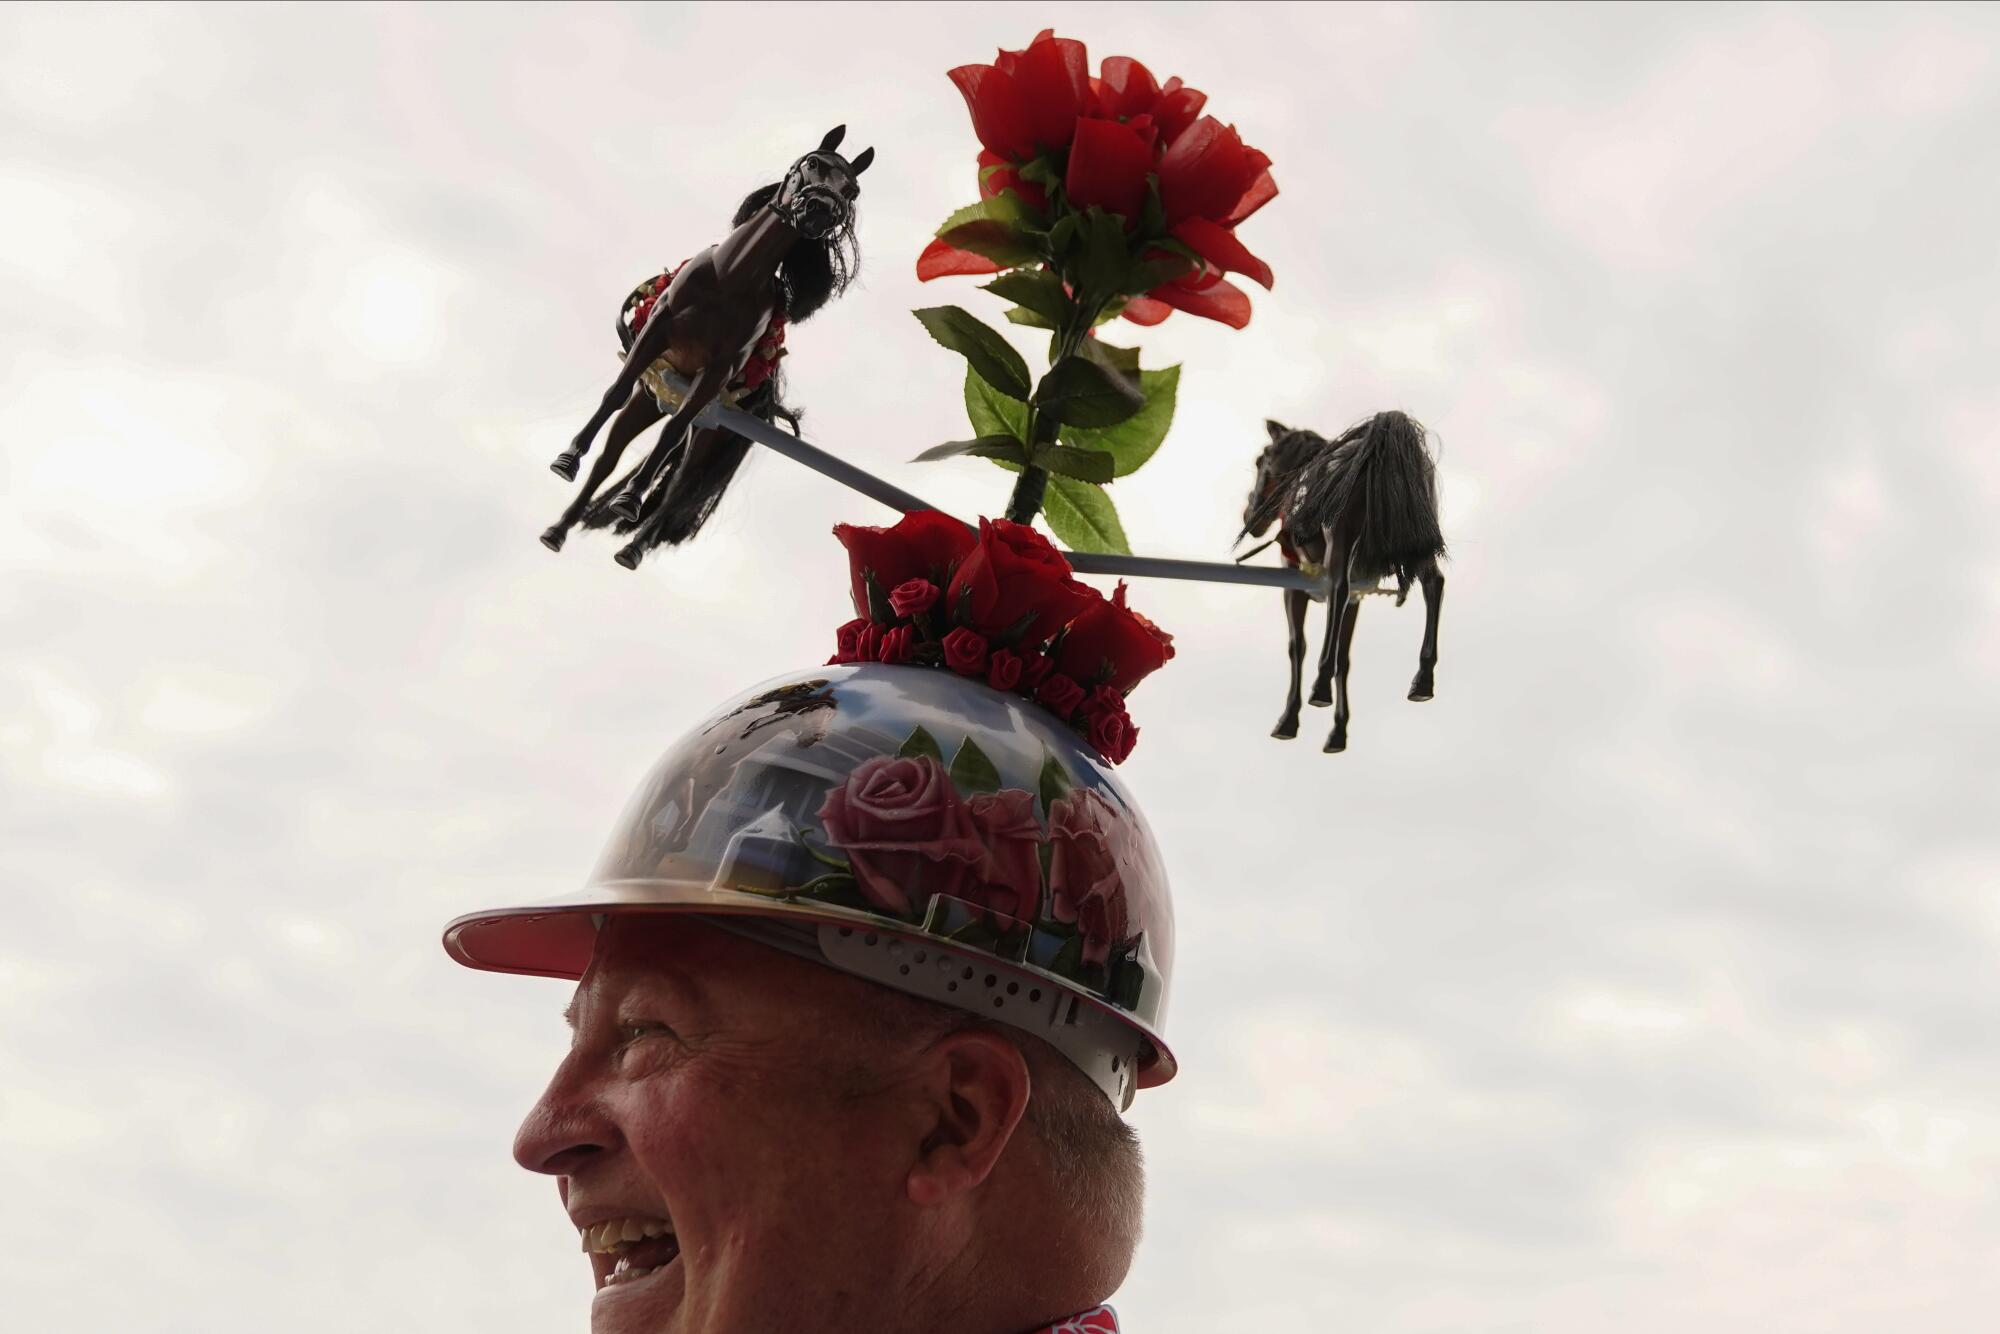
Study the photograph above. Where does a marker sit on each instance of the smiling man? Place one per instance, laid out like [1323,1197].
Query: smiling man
[853,1023]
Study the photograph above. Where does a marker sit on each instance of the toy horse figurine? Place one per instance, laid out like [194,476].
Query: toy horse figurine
[1361,507]
[719,321]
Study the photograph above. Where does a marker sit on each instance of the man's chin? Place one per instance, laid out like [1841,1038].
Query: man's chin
[643,1305]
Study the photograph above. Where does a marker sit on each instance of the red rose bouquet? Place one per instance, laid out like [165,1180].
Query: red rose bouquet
[1001,606]
[1099,196]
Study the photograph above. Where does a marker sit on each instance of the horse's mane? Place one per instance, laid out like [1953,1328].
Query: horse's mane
[812,272]
[1278,468]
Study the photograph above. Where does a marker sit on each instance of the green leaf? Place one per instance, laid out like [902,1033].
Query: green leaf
[986,446]
[1083,517]
[1146,274]
[1079,392]
[1041,170]
[1088,465]
[989,354]
[1034,320]
[999,227]
[1039,290]
[1120,360]
[972,770]
[992,412]
[1131,442]
[921,742]
[1063,235]
[1152,217]
[1054,782]
[1106,258]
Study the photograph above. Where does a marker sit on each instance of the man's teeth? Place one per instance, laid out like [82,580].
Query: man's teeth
[616,1233]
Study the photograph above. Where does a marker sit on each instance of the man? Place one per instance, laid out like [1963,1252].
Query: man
[854,1025]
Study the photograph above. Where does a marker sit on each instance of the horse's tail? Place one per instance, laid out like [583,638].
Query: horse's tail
[1398,483]
[1387,467]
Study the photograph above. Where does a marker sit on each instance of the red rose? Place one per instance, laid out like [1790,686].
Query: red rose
[1027,101]
[1061,694]
[1035,669]
[869,646]
[1087,838]
[913,597]
[1108,166]
[847,640]
[1126,90]
[898,645]
[1108,725]
[996,173]
[925,544]
[1108,644]
[1013,587]
[1009,880]
[1003,670]
[904,831]
[965,652]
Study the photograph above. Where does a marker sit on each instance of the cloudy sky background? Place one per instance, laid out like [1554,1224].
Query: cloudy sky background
[1646,979]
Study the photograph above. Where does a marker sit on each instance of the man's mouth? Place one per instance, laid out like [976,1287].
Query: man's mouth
[625,1250]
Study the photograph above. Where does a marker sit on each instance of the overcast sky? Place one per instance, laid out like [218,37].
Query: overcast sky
[1644,980]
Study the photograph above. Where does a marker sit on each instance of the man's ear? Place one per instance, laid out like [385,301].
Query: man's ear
[977,1087]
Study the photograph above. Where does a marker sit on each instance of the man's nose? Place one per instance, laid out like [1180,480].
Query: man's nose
[566,1128]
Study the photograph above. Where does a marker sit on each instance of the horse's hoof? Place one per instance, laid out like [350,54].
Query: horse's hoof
[565,466]
[1286,729]
[625,505]
[553,538]
[1321,698]
[1422,689]
[1334,744]
[630,556]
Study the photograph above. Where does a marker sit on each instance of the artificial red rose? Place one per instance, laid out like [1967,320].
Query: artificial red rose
[1109,644]
[1003,670]
[868,648]
[943,261]
[924,544]
[1127,90]
[996,173]
[965,652]
[1087,838]
[1110,730]
[1014,587]
[1207,171]
[913,597]
[1107,724]
[904,830]
[898,645]
[1108,166]
[1035,669]
[1027,101]
[1009,880]
[847,640]
[1166,640]
[1060,694]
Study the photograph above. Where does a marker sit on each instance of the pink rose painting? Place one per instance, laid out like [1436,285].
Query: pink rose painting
[1086,872]
[909,827]
[904,830]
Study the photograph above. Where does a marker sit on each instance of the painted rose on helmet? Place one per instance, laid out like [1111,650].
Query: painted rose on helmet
[1088,862]
[905,832]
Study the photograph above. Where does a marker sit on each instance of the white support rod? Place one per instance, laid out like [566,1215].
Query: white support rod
[1084,562]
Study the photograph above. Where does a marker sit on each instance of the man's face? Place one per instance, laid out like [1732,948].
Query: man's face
[708,1116]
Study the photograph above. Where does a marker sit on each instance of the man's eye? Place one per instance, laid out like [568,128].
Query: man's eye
[639,1030]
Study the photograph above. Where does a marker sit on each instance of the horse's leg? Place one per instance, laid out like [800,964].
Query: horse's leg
[1343,659]
[706,385]
[1425,684]
[1322,694]
[654,338]
[639,414]
[1341,544]
[658,510]
[1295,622]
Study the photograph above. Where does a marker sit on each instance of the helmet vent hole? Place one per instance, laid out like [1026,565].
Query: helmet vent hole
[999,1001]
[951,986]
[1013,988]
[870,939]
[1070,1018]
[968,974]
[1035,995]
[990,979]
[846,931]
[904,970]
[920,956]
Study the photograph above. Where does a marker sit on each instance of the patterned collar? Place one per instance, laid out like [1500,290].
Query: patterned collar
[1097,1320]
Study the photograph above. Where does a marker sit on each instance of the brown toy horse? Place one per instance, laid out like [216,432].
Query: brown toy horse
[791,251]
[1361,507]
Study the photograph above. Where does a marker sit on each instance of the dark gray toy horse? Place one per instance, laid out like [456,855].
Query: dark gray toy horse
[1362,507]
